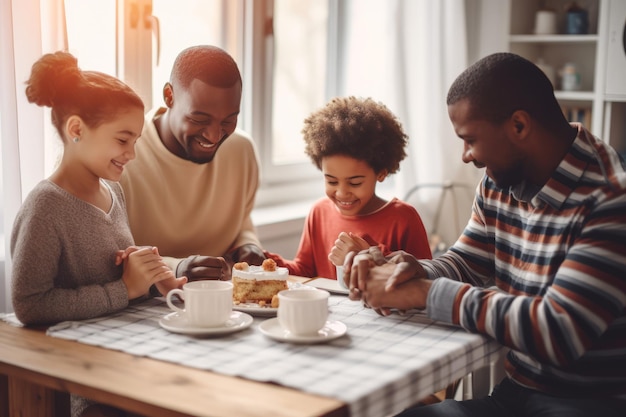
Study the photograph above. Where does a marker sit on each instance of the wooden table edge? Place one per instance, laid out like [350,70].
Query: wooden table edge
[30,355]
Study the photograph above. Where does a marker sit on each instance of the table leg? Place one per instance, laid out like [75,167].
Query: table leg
[481,382]
[4,396]
[27,399]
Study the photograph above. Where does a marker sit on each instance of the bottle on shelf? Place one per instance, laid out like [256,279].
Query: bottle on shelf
[576,20]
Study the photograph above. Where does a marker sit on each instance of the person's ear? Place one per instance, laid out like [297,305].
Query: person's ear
[168,95]
[74,127]
[520,123]
[382,175]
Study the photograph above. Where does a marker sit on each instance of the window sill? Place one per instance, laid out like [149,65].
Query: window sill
[280,220]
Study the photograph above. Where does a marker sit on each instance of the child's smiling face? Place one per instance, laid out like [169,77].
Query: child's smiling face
[351,184]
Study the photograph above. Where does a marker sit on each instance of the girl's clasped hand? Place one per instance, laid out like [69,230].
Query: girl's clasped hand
[144,267]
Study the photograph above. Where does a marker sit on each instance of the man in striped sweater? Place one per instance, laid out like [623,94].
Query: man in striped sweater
[548,228]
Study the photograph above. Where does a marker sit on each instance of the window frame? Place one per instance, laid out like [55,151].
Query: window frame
[284,183]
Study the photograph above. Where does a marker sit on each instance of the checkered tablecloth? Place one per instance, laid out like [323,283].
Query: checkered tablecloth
[382,365]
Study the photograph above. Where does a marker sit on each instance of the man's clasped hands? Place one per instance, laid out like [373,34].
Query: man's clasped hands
[396,282]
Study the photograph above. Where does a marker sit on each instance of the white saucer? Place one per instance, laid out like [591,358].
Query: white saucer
[255,310]
[176,322]
[331,330]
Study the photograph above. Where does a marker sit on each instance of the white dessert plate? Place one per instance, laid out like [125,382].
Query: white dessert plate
[331,330]
[255,309]
[176,322]
[267,311]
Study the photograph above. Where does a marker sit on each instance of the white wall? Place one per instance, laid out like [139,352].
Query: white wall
[280,228]
[487,27]
[282,238]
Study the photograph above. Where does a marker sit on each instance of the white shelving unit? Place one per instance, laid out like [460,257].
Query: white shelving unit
[614,43]
[588,52]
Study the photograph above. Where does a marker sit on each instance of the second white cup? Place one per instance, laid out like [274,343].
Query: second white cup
[340,280]
[207,303]
[302,312]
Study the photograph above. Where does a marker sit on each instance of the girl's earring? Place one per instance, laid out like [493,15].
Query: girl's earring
[76,139]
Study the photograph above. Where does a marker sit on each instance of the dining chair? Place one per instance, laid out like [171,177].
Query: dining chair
[436,202]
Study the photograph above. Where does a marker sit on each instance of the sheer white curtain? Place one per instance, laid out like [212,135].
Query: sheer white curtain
[412,51]
[23,124]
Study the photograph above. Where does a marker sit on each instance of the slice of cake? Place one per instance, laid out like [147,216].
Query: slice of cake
[258,284]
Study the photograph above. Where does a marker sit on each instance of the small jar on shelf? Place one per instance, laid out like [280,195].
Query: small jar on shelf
[545,22]
[570,78]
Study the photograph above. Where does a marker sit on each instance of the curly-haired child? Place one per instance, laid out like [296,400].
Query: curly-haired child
[356,143]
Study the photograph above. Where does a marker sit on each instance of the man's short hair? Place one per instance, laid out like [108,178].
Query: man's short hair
[502,83]
[209,64]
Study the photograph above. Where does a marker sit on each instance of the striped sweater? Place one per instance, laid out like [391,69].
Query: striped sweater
[558,259]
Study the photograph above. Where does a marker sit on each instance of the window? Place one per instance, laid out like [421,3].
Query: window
[286,76]
[300,35]
[2,243]
[142,48]
[281,47]
[3,285]
[83,17]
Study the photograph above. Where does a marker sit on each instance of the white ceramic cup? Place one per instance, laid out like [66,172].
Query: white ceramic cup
[302,312]
[339,268]
[207,303]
